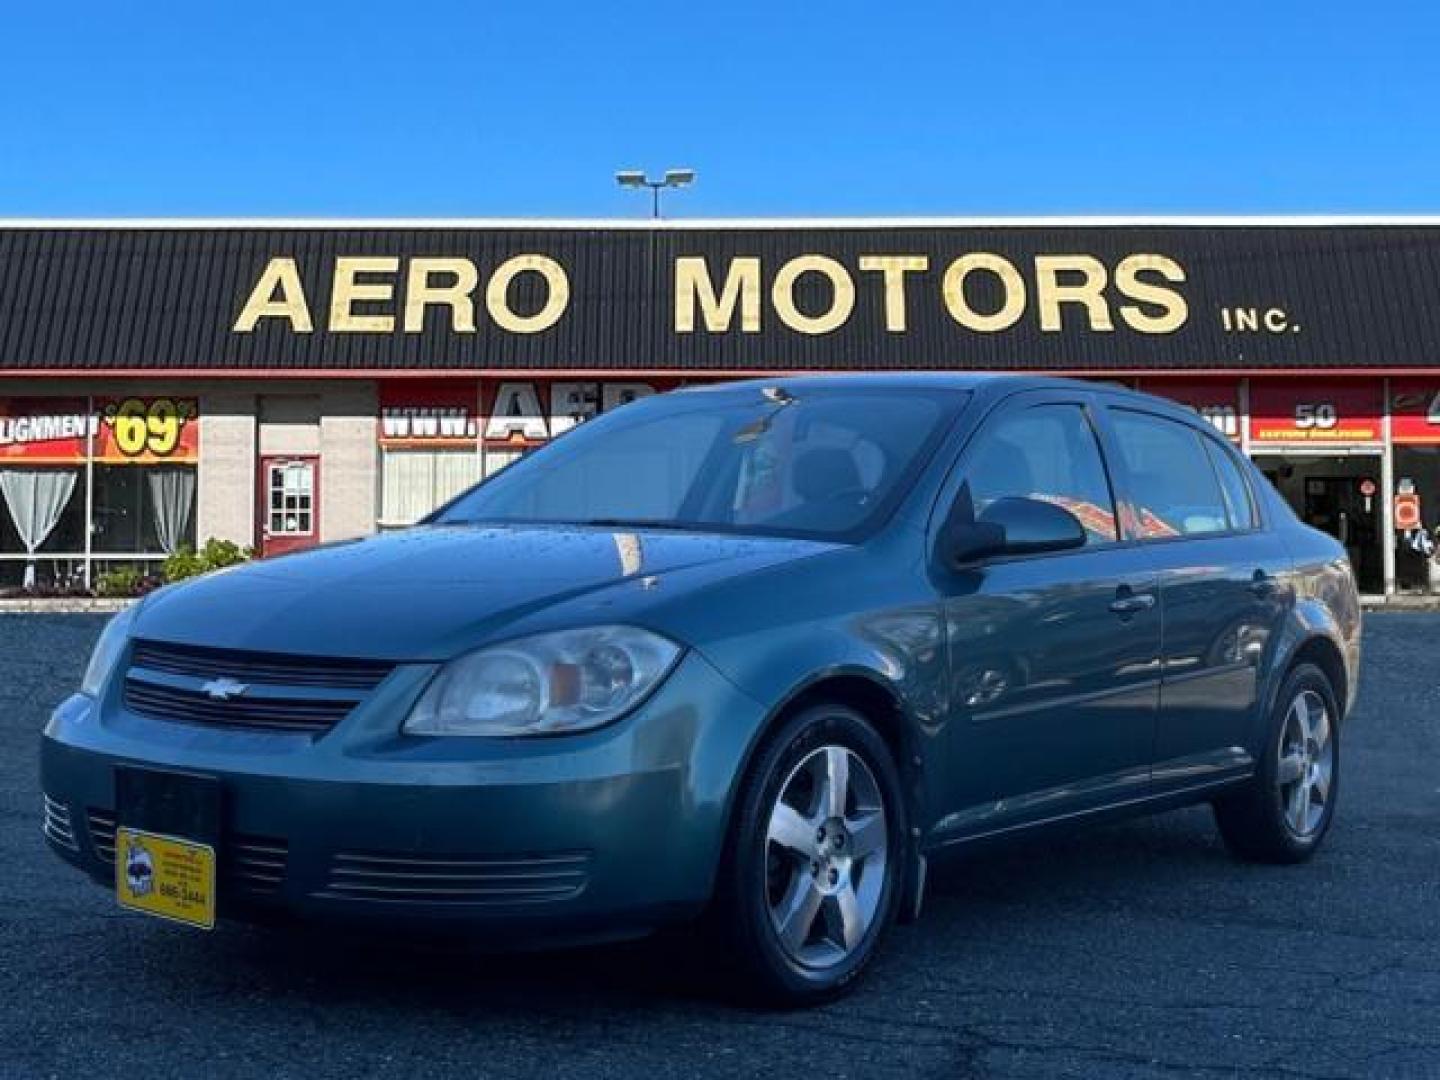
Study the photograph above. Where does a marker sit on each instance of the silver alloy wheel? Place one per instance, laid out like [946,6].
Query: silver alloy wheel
[1306,764]
[825,854]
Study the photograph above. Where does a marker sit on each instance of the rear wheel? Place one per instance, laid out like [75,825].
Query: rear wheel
[1283,814]
[813,876]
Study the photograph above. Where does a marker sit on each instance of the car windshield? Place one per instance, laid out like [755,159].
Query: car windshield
[825,463]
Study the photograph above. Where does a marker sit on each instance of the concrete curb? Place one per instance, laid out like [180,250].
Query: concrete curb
[1402,603]
[68,605]
[86,605]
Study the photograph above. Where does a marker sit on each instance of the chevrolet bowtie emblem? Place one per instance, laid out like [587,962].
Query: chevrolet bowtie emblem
[223,689]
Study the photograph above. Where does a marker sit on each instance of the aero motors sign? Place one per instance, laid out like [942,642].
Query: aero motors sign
[1330,413]
[814,294]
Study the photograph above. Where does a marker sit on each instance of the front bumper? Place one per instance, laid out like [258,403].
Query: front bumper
[608,832]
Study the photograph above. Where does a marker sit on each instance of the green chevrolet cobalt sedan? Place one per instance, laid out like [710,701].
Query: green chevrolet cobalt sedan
[755,654]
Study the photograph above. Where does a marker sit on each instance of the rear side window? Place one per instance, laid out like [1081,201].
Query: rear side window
[1173,489]
[1046,452]
[1239,503]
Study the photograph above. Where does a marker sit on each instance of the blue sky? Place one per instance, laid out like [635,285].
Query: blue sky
[328,108]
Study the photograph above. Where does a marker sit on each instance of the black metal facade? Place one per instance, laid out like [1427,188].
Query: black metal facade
[120,299]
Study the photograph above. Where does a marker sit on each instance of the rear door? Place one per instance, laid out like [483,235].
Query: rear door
[1223,585]
[1054,659]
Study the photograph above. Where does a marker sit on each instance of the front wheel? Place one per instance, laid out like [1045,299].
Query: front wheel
[812,880]
[1283,814]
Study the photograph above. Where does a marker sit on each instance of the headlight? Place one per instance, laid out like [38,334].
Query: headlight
[106,653]
[549,684]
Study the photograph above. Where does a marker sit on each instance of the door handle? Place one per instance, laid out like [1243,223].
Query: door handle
[1263,585]
[1132,603]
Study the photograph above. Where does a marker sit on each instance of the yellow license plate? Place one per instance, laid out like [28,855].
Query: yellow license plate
[165,876]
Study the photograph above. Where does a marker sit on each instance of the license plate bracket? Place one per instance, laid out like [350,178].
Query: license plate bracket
[167,802]
[167,831]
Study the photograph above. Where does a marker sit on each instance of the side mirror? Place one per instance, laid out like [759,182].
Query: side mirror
[1014,526]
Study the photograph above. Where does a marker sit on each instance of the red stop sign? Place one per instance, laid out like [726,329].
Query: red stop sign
[1407,511]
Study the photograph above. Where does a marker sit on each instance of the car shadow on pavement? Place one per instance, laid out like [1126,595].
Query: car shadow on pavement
[1013,891]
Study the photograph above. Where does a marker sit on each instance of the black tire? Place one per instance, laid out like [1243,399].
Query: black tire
[766,971]
[1256,821]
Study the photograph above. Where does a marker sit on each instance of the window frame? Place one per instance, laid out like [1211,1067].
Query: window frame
[1197,427]
[1008,407]
[1244,468]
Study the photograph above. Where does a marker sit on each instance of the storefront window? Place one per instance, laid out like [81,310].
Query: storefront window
[414,482]
[439,437]
[44,514]
[86,477]
[144,509]
[1417,475]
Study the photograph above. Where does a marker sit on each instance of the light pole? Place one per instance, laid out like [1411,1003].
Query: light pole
[673,178]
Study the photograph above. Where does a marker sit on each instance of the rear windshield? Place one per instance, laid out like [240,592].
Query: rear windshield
[824,463]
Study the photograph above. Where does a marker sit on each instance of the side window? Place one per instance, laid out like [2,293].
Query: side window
[1046,452]
[1173,489]
[1239,503]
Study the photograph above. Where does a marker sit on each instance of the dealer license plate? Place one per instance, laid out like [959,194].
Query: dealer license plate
[165,876]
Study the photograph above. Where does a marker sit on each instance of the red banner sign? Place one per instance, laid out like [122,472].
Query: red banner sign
[1315,412]
[527,413]
[120,431]
[502,412]
[430,414]
[1217,400]
[1415,411]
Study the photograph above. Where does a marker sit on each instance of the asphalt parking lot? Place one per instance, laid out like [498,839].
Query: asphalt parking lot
[1136,950]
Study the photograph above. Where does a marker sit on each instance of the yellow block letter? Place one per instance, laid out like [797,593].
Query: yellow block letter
[1089,292]
[497,294]
[421,293]
[280,275]
[741,288]
[895,267]
[1173,309]
[953,289]
[842,294]
[347,292]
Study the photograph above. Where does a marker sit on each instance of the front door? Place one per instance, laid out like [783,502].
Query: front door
[1054,659]
[289,510]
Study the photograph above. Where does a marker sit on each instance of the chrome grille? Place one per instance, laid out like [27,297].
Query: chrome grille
[102,834]
[421,879]
[255,864]
[259,691]
[57,826]
[279,669]
[270,714]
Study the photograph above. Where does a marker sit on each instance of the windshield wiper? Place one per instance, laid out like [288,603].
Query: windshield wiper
[640,523]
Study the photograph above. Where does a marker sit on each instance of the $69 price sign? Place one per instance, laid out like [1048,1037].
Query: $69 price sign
[151,426]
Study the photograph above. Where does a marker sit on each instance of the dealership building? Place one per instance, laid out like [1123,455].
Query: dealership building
[286,383]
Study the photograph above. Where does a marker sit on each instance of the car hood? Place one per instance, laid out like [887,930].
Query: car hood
[431,592]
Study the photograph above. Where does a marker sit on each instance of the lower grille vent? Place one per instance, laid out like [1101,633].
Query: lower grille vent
[421,879]
[57,825]
[254,864]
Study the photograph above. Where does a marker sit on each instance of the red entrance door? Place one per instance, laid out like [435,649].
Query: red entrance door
[289,510]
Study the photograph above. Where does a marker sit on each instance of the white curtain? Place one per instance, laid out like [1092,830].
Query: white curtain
[172,494]
[414,482]
[36,498]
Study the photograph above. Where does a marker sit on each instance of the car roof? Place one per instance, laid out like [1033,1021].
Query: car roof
[993,384]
